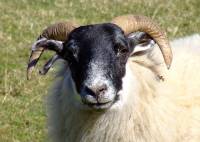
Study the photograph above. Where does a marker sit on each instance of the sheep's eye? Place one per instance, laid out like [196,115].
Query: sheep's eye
[74,52]
[121,50]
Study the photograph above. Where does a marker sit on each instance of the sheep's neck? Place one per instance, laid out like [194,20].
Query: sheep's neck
[132,121]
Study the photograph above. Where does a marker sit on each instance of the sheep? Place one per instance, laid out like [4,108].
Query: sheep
[113,85]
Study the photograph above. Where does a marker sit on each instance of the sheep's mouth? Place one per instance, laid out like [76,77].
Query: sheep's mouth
[102,106]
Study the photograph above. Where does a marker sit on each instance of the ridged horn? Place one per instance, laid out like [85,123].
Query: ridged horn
[58,31]
[133,23]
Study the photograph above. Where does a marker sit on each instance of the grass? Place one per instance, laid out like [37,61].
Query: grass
[22,105]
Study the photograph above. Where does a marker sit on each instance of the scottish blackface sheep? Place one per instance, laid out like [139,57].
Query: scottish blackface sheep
[113,85]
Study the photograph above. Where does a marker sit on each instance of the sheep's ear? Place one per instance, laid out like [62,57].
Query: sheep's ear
[140,43]
[38,48]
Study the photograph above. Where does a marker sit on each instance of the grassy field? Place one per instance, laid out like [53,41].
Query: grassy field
[22,105]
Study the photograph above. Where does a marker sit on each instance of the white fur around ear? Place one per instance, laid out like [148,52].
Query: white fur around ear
[140,42]
[144,47]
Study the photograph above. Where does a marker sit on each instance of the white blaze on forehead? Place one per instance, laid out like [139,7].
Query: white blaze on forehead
[95,74]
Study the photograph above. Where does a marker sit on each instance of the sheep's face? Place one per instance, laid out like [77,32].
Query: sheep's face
[97,55]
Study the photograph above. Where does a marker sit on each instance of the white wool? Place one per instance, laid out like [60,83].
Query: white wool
[150,110]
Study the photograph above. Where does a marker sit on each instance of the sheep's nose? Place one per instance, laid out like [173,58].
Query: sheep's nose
[96,90]
[95,94]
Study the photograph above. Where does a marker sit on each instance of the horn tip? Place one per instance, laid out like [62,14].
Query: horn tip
[28,77]
[168,66]
[42,72]
[170,61]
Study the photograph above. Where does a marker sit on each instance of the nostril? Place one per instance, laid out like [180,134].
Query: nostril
[90,91]
[96,90]
[95,94]
[102,89]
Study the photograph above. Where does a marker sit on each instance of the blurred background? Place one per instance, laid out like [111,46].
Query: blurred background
[22,102]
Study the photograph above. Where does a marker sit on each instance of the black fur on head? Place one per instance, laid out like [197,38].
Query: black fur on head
[97,55]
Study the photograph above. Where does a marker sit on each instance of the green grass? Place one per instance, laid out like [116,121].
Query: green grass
[22,105]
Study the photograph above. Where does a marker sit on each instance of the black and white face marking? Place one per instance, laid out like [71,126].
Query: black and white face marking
[97,55]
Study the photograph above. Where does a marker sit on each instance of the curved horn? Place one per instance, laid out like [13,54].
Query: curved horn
[58,31]
[132,23]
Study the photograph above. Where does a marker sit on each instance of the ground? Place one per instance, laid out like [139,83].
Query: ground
[22,105]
